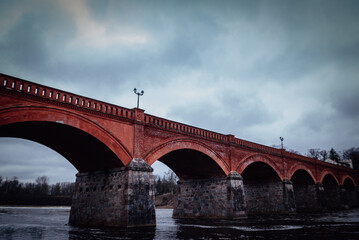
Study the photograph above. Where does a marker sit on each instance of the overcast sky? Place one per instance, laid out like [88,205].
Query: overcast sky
[255,69]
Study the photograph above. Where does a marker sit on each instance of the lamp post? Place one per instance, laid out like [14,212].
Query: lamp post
[281,141]
[138,96]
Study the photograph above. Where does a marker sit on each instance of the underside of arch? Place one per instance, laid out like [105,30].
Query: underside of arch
[189,159]
[192,164]
[348,180]
[329,179]
[259,172]
[84,151]
[86,145]
[302,177]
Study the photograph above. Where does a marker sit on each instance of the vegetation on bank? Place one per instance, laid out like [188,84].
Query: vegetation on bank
[41,193]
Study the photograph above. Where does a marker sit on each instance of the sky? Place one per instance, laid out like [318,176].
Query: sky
[255,69]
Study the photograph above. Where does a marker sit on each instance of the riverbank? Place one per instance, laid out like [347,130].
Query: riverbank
[164,201]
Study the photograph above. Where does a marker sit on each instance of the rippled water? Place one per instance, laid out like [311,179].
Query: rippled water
[51,223]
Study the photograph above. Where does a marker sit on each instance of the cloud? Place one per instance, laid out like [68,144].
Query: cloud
[91,33]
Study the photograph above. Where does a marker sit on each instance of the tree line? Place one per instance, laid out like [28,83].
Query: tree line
[323,155]
[41,193]
[166,184]
[13,192]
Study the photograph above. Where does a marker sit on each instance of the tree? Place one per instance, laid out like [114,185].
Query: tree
[323,154]
[353,154]
[313,153]
[293,151]
[333,155]
[56,190]
[42,185]
[166,184]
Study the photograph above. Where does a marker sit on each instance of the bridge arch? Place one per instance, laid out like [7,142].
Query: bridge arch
[347,178]
[304,187]
[298,166]
[258,158]
[262,184]
[85,144]
[331,188]
[188,154]
[328,174]
[349,195]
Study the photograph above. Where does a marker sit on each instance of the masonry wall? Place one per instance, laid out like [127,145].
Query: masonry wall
[306,198]
[99,199]
[332,198]
[210,198]
[114,198]
[264,198]
[349,198]
[139,199]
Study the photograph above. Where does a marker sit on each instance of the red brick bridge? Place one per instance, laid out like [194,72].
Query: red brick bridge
[113,147]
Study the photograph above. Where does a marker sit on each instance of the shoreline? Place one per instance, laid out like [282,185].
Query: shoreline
[32,206]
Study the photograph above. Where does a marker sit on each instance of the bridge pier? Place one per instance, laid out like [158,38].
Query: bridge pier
[121,197]
[348,197]
[216,198]
[307,197]
[266,198]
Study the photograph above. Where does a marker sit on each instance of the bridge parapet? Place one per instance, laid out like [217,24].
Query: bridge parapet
[70,99]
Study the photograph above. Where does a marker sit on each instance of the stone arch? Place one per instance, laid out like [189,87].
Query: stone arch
[331,194]
[189,144]
[304,187]
[258,158]
[61,119]
[299,166]
[263,186]
[345,177]
[328,172]
[349,197]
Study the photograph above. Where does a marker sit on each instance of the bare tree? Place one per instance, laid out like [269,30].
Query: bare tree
[323,154]
[313,153]
[333,155]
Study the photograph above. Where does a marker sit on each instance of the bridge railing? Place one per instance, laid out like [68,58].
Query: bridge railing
[171,125]
[44,92]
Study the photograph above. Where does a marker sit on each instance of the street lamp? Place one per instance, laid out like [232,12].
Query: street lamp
[281,141]
[138,96]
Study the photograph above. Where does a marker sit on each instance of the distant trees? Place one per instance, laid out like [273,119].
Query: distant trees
[166,184]
[323,154]
[333,155]
[12,192]
[351,153]
[314,153]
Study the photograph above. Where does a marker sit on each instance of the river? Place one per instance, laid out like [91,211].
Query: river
[20,223]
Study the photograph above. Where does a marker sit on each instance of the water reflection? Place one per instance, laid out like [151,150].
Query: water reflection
[51,223]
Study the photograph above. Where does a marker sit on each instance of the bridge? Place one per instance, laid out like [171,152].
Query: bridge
[112,147]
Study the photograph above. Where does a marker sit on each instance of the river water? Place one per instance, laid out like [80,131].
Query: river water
[51,223]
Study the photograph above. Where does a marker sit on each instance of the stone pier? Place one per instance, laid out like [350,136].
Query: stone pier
[266,198]
[307,197]
[216,198]
[121,197]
